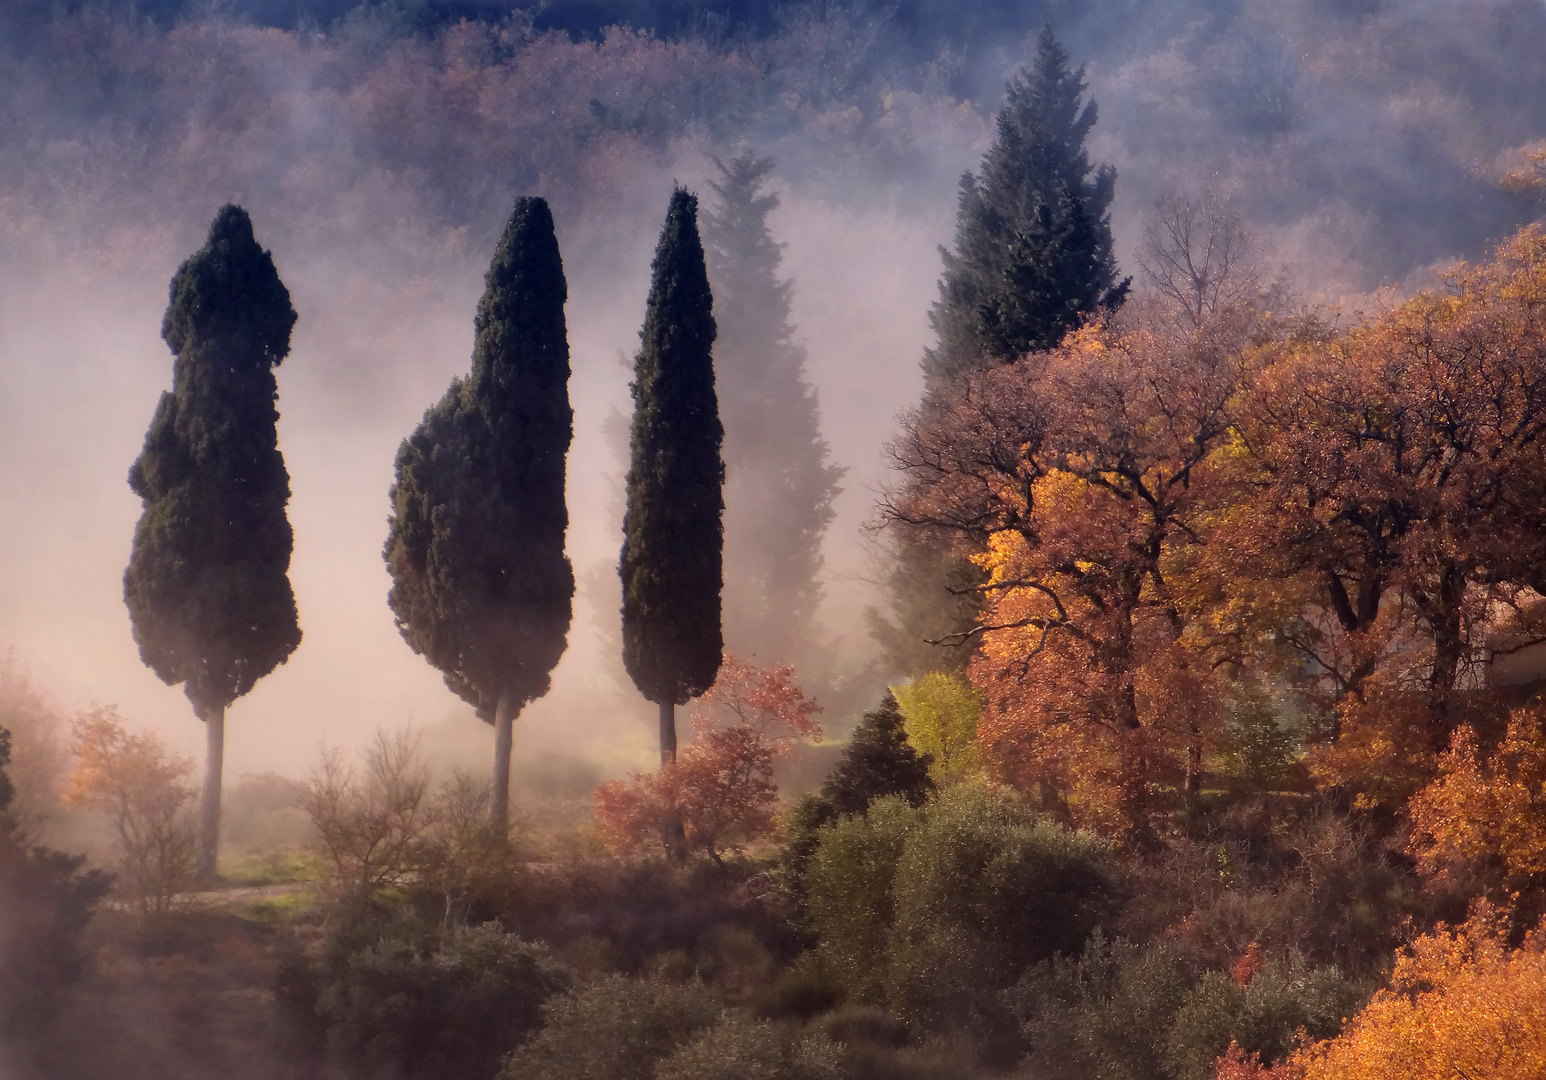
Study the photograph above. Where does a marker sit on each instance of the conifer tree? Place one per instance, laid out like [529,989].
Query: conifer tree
[672,559]
[480,584]
[207,584]
[779,484]
[1033,237]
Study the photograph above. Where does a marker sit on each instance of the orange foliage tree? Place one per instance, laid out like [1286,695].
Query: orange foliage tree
[721,782]
[1078,480]
[1392,485]
[1461,1005]
[1481,824]
[146,795]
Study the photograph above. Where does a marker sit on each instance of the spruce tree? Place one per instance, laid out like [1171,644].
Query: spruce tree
[779,485]
[672,559]
[207,584]
[1033,236]
[480,584]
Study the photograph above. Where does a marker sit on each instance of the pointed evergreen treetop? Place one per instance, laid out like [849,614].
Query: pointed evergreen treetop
[672,558]
[481,585]
[879,761]
[207,587]
[779,483]
[1033,234]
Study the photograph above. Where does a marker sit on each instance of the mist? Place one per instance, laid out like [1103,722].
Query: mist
[1362,143]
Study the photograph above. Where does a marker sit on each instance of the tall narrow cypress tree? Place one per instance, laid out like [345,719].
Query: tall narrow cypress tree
[1033,235]
[207,584]
[673,539]
[779,485]
[480,584]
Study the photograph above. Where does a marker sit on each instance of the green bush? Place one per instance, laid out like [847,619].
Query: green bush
[1122,1011]
[1261,1016]
[741,1049]
[982,893]
[453,1008]
[614,1029]
[1102,1013]
[848,885]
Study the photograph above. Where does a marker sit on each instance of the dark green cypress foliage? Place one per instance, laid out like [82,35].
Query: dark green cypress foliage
[480,584]
[779,485]
[207,584]
[878,761]
[671,564]
[1033,237]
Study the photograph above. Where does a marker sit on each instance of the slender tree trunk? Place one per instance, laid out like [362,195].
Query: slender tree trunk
[504,725]
[675,835]
[209,806]
[667,731]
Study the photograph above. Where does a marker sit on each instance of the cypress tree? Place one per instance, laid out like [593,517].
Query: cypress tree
[480,584]
[207,584]
[779,485]
[672,558]
[1033,235]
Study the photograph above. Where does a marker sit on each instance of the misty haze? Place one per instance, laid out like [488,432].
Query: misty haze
[698,538]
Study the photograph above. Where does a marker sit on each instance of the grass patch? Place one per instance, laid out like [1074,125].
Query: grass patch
[272,867]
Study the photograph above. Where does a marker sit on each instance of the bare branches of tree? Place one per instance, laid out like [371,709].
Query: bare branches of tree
[1198,254]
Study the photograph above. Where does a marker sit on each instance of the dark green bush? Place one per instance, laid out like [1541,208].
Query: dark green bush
[1102,1013]
[1261,1016]
[441,1009]
[741,1049]
[983,891]
[613,1029]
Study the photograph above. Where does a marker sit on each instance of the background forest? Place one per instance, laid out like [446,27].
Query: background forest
[1131,615]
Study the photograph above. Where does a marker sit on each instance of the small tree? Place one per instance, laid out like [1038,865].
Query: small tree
[940,714]
[480,584]
[147,796]
[372,824]
[673,538]
[207,588]
[721,787]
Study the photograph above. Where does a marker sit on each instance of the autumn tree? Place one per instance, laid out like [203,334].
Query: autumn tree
[1076,479]
[480,583]
[1481,824]
[721,785]
[672,565]
[940,713]
[207,588]
[147,798]
[779,484]
[1460,1003]
[1391,480]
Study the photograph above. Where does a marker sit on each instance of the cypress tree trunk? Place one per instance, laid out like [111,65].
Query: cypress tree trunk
[667,731]
[209,806]
[504,724]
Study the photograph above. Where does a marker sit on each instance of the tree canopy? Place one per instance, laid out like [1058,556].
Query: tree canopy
[207,584]
[672,557]
[480,583]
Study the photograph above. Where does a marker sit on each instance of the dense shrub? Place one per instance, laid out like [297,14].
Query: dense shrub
[452,1008]
[1102,1013]
[935,910]
[1261,1016]
[849,887]
[45,904]
[740,1049]
[1124,1011]
[614,1029]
